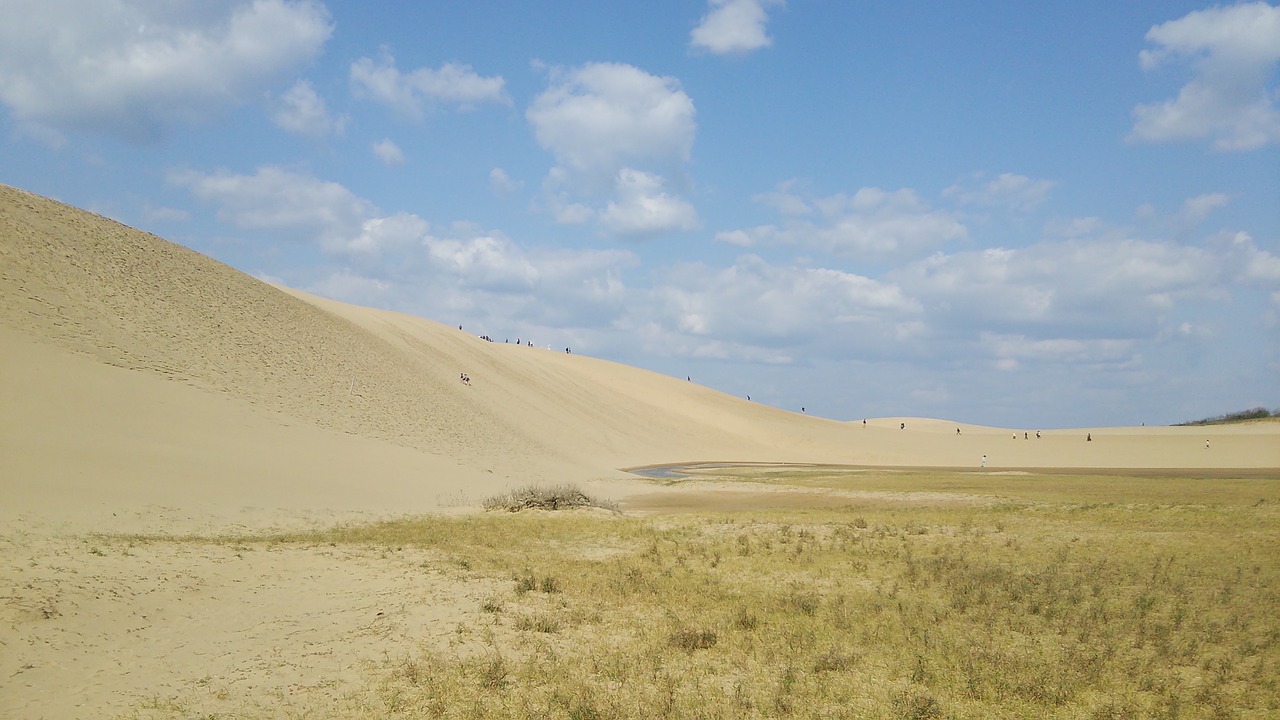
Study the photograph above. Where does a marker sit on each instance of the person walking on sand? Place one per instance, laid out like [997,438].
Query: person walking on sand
[1206,444]
[984,461]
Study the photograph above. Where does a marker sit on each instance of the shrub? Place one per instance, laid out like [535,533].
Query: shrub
[541,497]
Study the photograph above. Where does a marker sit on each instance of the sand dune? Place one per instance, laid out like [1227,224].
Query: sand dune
[147,388]
[138,371]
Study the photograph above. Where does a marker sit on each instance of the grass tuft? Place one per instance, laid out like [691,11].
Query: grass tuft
[690,640]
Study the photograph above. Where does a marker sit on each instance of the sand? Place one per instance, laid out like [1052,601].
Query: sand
[149,389]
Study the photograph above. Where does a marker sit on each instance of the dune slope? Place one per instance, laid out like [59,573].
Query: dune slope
[114,307]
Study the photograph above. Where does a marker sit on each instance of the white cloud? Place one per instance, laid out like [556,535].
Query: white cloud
[133,69]
[388,152]
[600,117]
[300,110]
[1009,352]
[1233,51]
[642,207]
[484,261]
[1252,264]
[493,263]
[784,200]
[398,260]
[756,311]
[352,287]
[1018,193]
[300,206]
[573,214]
[408,93]
[1198,208]
[733,26]
[872,224]
[383,235]
[501,184]
[617,133]
[484,278]
[1079,288]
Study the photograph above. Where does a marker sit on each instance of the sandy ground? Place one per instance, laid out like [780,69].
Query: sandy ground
[145,388]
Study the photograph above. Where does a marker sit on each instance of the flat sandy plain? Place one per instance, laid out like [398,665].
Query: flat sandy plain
[147,390]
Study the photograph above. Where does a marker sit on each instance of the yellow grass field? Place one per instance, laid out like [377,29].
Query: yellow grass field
[227,499]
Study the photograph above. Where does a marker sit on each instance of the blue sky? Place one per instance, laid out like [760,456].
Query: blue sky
[1018,214]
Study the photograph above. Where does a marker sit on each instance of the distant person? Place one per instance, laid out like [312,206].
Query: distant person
[1206,444]
[748,398]
[1024,436]
[864,422]
[902,426]
[1089,437]
[957,431]
[984,461]
[801,409]
[1037,434]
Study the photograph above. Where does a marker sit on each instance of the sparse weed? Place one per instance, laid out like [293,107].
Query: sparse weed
[541,622]
[1088,598]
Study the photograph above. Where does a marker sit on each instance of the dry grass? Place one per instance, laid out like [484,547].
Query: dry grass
[543,497]
[1085,608]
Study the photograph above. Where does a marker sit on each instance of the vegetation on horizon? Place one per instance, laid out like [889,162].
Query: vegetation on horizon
[1258,413]
[996,598]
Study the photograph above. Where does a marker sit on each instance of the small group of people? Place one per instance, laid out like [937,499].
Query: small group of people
[519,341]
[464,378]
